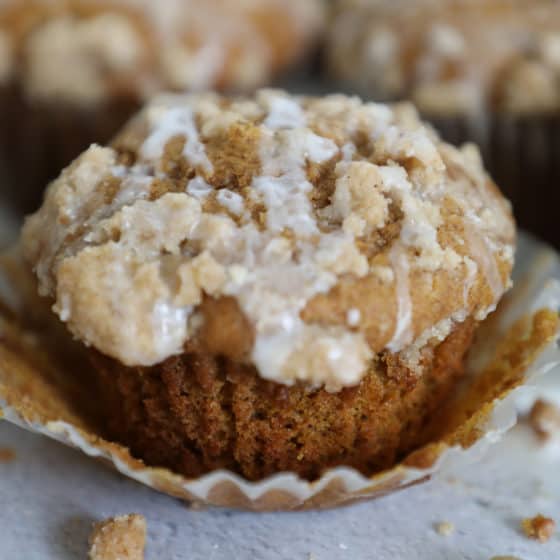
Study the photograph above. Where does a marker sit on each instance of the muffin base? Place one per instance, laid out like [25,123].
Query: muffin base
[196,413]
[37,140]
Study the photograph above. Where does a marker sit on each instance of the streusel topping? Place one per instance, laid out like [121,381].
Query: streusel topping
[84,51]
[451,56]
[339,229]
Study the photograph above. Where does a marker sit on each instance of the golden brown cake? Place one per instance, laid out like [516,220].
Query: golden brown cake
[73,71]
[273,283]
[486,71]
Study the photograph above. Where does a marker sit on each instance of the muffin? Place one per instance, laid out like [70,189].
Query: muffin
[73,71]
[480,70]
[275,283]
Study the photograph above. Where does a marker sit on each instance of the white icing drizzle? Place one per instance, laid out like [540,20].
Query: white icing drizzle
[348,151]
[169,324]
[283,112]
[231,200]
[333,357]
[198,188]
[283,186]
[168,123]
[403,325]
[281,347]
[484,257]
[353,317]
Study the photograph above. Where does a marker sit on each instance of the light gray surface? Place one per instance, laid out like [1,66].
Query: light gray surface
[50,495]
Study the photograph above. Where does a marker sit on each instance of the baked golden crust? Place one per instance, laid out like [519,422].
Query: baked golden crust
[451,57]
[323,230]
[196,413]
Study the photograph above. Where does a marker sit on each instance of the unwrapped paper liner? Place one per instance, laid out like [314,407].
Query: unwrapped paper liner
[518,343]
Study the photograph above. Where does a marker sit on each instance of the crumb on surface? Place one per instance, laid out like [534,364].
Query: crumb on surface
[540,528]
[505,558]
[196,506]
[444,528]
[544,419]
[118,538]
[7,454]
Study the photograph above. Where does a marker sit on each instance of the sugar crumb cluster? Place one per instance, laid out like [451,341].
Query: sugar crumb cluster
[118,538]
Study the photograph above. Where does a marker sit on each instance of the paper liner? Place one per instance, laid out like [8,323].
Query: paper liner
[522,153]
[518,343]
[37,140]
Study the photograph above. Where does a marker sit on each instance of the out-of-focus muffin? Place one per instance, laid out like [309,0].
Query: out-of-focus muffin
[481,70]
[73,71]
[273,283]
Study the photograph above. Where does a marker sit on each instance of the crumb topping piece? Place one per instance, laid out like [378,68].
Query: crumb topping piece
[539,528]
[7,455]
[544,418]
[118,538]
[335,225]
[445,528]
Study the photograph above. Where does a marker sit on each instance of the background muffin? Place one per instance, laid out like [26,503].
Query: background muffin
[73,71]
[277,283]
[482,70]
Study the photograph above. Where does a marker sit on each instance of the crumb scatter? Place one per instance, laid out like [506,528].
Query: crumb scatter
[544,419]
[119,538]
[445,528]
[7,454]
[539,528]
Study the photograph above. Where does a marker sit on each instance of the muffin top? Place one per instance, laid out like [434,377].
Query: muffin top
[451,56]
[85,51]
[302,235]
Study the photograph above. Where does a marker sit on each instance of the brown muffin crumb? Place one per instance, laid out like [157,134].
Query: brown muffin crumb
[544,418]
[539,527]
[119,538]
[444,528]
[7,455]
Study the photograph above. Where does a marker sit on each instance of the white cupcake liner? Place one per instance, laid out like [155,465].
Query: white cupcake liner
[29,398]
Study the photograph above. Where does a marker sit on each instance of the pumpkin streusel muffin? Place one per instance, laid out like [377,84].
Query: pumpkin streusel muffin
[73,71]
[486,71]
[273,283]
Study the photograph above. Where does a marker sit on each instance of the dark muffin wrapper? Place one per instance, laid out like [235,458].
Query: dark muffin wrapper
[39,139]
[522,154]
